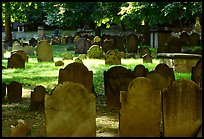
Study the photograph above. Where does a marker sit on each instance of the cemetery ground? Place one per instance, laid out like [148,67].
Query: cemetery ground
[46,74]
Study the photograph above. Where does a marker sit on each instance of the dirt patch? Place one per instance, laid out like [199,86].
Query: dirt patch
[107,123]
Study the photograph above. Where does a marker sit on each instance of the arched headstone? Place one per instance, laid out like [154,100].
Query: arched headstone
[44,52]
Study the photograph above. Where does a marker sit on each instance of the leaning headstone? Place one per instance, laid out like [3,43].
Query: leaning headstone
[37,98]
[3,89]
[140,112]
[185,38]
[182,109]
[95,52]
[16,61]
[196,75]
[113,57]
[78,73]
[132,43]
[147,58]
[194,39]
[144,50]
[140,71]
[70,111]
[116,79]
[22,53]
[33,42]
[67,56]
[59,63]
[44,52]
[14,91]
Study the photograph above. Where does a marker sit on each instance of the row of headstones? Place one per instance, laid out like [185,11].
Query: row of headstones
[12,92]
[174,43]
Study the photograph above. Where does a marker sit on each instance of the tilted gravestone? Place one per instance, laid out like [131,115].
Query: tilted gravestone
[182,109]
[78,73]
[185,38]
[16,61]
[37,98]
[33,42]
[14,91]
[165,71]
[194,39]
[132,43]
[95,52]
[147,58]
[113,57]
[116,79]
[22,53]
[196,75]
[3,89]
[140,110]
[70,111]
[44,52]
[140,71]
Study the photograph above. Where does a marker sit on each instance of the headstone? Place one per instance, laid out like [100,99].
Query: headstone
[59,63]
[174,45]
[165,71]
[147,58]
[14,91]
[29,50]
[70,111]
[95,52]
[116,79]
[44,52]
[16,46]
[82,45]
[194,39]
[140,112]
[22,53]
[16,61]
[182,109]
[37,98]
[196,74]
[33,42]
[3,89]
[113,57]
[140,71]
[67,56]
[144,50]
[22,129]
[78,73]
[185,38]
[132,43]
[118,42]
[107,45]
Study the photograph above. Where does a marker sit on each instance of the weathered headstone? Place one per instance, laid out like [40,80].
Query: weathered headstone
[14,91]
[78,73]
[196,75]
[144,50]
[182,109]
[147,58]
[16,46]
[29,50]
[107,45]
[95,52]
[44,52]
[140,110]
[140,71]
[132,43]
[113,57]
[22,53]
[116,79]
[59,63]
[118,42]
[37,98]
[185,38]
[3,89]
[33,42]
[174,45]
[67,55]
[70,111]
[16,61]
[194,39]
[82,45]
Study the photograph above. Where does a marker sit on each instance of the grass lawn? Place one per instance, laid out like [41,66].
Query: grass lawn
[46,74]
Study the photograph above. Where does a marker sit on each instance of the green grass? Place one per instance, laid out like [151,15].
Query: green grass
[46,74]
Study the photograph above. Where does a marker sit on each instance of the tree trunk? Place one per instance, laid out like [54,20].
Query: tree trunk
[98,31]
[7,23]
[146,33]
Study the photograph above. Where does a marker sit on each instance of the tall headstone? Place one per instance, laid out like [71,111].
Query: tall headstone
[70,111]
[194,39]
[78,73]
[44,52]
[132,43]
[14,91]
[118,41]
[182,109]
[185,38]
[140,110]
[37,98]
[116,79]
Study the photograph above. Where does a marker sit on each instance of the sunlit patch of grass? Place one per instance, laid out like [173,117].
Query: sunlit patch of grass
[186,75]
